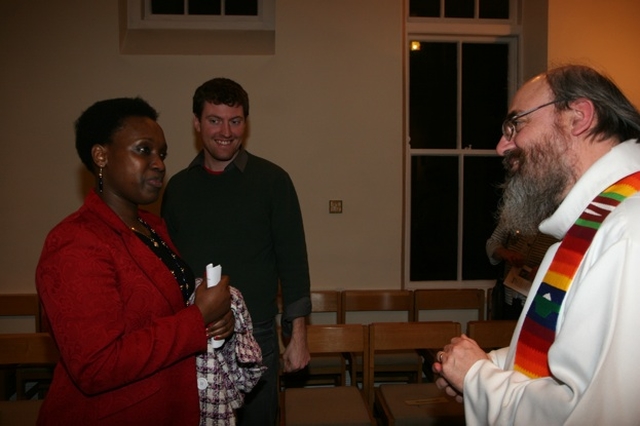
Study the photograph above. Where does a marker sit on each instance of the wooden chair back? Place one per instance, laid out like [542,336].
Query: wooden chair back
[491,334]
[325,307]
[402,366]
[449,299]
[21,305]
[337,338]
[408,336]
[323,405]
[28,358]
[376,300]
[27,349]
[329,369]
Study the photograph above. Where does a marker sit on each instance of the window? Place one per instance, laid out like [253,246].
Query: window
[205,7]
[197,27]
[202,14]
[483,9]
[460,77]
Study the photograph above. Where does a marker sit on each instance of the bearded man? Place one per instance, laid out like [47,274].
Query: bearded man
[573,166]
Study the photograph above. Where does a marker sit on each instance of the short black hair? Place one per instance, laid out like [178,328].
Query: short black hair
[97,124]
[220,91]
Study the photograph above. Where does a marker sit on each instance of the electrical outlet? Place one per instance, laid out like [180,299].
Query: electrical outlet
[335,206]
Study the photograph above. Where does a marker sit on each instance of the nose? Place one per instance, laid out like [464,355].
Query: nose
[226,128]
[504,145]
[158,163]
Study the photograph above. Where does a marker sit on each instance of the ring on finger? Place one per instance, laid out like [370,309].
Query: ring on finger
[439,356]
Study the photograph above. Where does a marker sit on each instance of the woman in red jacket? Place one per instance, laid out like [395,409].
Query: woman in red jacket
[115,290]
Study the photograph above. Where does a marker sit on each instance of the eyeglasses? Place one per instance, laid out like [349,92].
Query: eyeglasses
[509,125]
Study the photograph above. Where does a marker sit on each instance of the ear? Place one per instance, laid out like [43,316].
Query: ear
[99,155]
[583,116]
[196,123]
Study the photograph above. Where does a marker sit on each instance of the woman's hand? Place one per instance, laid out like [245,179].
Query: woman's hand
[215,302]
[223,328]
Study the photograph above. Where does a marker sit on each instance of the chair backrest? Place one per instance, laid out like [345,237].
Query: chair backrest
[28,349]
[325,301]
[325,307]
[407,336]
[376,300]
[340,338]
[492,334]
[449,299]
[21,305]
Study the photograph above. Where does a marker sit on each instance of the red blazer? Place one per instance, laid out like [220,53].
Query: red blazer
[126,339]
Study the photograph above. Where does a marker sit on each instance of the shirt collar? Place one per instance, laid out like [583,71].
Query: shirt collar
[240,162]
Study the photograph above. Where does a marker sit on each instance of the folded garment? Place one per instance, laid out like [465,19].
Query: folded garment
[227,373]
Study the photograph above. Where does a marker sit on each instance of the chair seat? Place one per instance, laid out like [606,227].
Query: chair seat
[344,405]
[417,404]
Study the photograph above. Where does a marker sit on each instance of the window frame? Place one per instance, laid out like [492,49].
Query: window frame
[140,17]
[459,31]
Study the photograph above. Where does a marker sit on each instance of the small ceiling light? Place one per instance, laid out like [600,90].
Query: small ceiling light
[415,45]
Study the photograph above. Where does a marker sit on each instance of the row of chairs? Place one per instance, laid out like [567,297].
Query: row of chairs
[352,306]
[366,404]
[413,303]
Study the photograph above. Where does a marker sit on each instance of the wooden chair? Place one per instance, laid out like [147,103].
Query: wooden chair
[324,369]
[17,379]
[336,405]
[412,403]
[446,305]
[391,365]
[448,300]
[21,305]
[491,334]
[25,350]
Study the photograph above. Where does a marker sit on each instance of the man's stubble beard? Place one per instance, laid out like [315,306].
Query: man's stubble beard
[536,188]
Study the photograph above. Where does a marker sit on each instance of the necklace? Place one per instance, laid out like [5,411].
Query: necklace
[178,267]
[150,236]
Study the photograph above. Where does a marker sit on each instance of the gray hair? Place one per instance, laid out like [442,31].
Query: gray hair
[616,115]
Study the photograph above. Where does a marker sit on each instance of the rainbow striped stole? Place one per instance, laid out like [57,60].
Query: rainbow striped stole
[539,326]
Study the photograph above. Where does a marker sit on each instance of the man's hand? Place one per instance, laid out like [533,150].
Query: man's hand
[296,354]
[453,363]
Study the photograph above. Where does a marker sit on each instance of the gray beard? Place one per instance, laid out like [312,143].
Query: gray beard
[535,189]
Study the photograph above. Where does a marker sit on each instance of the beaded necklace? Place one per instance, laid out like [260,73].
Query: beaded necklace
[178,268]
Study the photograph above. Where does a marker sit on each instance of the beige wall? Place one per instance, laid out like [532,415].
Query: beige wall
[327,107]
[602,34]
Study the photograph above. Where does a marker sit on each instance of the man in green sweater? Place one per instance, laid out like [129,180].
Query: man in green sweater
[231,208]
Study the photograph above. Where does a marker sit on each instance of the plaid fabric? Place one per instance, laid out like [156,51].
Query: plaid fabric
[227,373]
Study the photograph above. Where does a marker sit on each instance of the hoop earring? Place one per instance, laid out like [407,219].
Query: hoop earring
[100,183]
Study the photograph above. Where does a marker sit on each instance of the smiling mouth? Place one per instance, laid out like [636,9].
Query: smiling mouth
[223,142]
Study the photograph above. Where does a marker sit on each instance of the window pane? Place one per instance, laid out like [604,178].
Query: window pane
[484,93]
[241,7]
[204,7]
[494,9]
[433,96]
[458,8]
[424,8]
[434,207]
[481,178]
[167,7]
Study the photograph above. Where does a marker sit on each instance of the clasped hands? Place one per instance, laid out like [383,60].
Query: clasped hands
[453,362]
